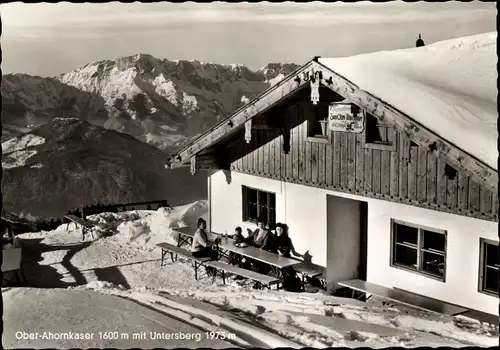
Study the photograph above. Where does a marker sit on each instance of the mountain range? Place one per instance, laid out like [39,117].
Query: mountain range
[100,134]
[69,163]
[158,101]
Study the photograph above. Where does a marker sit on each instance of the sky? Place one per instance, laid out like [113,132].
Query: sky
[51,39]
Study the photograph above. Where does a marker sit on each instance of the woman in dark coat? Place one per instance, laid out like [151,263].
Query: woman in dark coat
[283,243]
[284,247]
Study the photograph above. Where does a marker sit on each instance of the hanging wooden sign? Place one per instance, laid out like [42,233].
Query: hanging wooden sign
[345,117]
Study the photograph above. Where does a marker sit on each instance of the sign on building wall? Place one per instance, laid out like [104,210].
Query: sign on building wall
[345,117]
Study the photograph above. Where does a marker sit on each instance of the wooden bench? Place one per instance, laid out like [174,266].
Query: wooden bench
[262,280]
[11,262]
[86,225]
[175,251]
[403,297]
[305,271]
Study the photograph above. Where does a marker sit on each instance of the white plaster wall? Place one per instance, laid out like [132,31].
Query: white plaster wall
[226,204]
[462,260]
[304,210]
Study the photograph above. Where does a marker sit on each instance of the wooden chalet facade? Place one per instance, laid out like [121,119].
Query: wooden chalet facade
[379,204]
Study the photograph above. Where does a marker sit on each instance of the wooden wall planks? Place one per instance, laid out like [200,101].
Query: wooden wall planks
[410,173]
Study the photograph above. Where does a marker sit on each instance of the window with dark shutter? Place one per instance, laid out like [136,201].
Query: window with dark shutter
[379,135]
[317,124]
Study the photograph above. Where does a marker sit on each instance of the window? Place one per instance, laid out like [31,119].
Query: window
[488,277]
[317,123]
[379,135]
[419,249]
[259,204]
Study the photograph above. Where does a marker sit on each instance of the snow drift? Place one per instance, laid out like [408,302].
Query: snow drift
[448,87]
[147,228]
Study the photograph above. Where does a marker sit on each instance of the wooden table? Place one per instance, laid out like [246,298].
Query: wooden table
[276,262]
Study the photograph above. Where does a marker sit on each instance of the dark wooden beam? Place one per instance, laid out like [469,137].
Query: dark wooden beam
[199,161]
[370,194]
[457,158]
[264,127]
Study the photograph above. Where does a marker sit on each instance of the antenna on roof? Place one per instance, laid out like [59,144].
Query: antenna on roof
[420,42]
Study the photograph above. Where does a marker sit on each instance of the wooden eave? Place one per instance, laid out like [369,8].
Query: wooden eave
[454,156]
[231,124]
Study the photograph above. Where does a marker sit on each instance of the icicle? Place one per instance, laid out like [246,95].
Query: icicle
[248,130]
[193,165]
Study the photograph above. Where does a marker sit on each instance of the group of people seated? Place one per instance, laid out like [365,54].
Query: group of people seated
[263,237]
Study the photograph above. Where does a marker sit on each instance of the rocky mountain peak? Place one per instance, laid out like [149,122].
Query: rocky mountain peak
[159,101]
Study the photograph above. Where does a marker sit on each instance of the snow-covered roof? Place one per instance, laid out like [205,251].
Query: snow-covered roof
[449,87]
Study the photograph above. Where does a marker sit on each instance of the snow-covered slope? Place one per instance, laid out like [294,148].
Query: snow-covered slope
[86,319]
[450,87]
[126,263]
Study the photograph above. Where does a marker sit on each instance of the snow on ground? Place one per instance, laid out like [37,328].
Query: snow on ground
[121,259]
[450,87]
[21,143]
[87,314]
[169,128]
[189,103]
[169,140]
[166,88]
[17,158]
[119,83]
[236,65]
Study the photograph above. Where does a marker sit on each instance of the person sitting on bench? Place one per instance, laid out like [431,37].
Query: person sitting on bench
[270,244]
[284,245]
[202,246]
[238,236]
[259,236]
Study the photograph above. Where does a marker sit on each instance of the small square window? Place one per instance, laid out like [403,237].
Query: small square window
[317,123]
[379,135]
[259,204]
